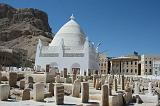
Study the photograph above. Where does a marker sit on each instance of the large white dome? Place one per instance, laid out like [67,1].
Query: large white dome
[71,34]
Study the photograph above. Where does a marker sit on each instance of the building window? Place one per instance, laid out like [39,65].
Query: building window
[131,70]
[146,70]
[127,70]
[104,71]
[150,70]
[131,62]
[135,63]
[101,71]
[150,62]
[145,62]
[127,62]
[105,64]
[135,70]
[102,64]
[123,70]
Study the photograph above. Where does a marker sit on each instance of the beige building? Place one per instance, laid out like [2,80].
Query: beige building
[103,63]
[147,64]
[128,65]
[156,67]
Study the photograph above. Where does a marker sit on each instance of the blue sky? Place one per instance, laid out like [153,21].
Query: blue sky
[123,26]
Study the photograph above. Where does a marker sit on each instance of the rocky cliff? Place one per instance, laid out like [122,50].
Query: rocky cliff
[21,28]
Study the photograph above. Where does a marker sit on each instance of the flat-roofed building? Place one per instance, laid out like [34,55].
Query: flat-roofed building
[103,63]
[147,64]
[128,65]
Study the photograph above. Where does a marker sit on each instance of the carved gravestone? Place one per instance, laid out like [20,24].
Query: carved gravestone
[38,92]
[51,88]
[30,79]
[103,78]
[110,89]
[95,76]
[73,78]
[122,82]
[47,67]
[59,94]
[4,91]
[65,73]
[136,88]
[97,84]
[150,88]
[26,94]
[22,84]
[50,77]
[105,96]
[13,79]
[0,76]
[76,88]
[30,85]
[115,84]
[85,92]
[158,84]
[127,88]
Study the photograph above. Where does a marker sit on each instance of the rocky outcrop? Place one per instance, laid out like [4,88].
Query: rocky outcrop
[21,28]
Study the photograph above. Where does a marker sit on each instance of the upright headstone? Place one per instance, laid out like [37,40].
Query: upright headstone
[85,92]
[65,73]
[0,76]
[4,91]
[47,67]
[22,84]
[105,96]
[150,88]
[13,79]
[110,89]
[103,78]
[127,88]
[110,79]
[38,91]
[59,94]
[30,79]
[94,80]
[136,88]
[122,82]
[119,80]
[73,78]
[115,84]
[97,83]
[76,88]
[30,85]
[61,73]
[158,84]
[51,88]
[26,94]
[50,77]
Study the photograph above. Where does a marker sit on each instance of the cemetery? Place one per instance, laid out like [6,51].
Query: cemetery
[63,88]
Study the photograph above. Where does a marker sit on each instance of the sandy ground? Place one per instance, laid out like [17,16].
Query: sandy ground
[69,101]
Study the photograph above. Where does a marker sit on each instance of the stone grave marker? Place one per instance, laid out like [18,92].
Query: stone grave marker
[38,92]
[85,92]
[59,94]
[13,79]
[76,88]
[26,94]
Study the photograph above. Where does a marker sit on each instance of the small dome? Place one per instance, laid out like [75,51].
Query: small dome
[70,33]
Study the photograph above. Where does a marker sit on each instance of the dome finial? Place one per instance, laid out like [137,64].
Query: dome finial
[72,17]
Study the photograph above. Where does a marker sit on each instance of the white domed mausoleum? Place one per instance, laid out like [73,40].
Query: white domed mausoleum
[69,50]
